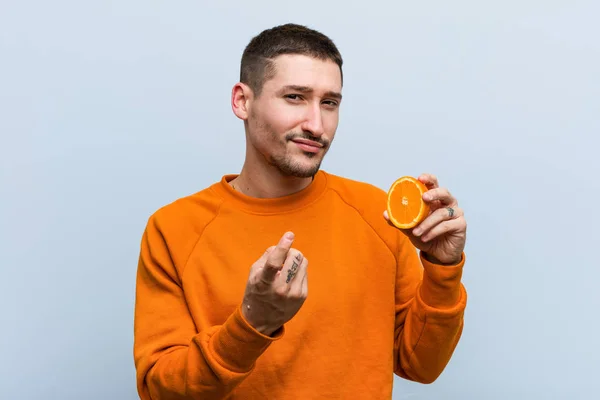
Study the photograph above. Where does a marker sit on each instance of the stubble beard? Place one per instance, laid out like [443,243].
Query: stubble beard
[285,162]
[289,167]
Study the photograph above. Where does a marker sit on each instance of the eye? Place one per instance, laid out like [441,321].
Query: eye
[293,96]
[331,103]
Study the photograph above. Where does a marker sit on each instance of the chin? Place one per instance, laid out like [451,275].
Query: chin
[299,169]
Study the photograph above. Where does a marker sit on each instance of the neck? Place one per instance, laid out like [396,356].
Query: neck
[266,181]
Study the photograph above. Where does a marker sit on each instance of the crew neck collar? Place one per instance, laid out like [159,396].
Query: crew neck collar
[275,205]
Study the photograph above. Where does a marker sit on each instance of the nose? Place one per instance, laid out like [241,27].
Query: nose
[313,121]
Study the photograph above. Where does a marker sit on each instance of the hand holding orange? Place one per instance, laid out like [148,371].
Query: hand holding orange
[429,216]
[405,205]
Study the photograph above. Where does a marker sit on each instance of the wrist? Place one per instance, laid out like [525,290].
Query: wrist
[437,261]
[441,287]
[271,332]
[237,345]
[263,329]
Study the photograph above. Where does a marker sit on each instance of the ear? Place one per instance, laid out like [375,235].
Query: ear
[241,95]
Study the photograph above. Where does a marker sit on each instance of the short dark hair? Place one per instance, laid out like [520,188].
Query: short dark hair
[257,64]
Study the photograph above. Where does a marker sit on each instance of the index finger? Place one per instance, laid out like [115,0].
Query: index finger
[263,258]
[442,195]
[277,257]
[429,180]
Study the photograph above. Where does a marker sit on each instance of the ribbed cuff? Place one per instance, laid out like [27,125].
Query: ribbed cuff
[441,288]
[238,345]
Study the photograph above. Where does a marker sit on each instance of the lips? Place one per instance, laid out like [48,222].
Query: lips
[308,145]
[308,142]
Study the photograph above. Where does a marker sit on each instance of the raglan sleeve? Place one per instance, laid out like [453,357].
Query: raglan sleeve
[430,303]
[174,360]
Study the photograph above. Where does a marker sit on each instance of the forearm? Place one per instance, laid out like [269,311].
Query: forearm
[174,358]
[215,362]
[429,327]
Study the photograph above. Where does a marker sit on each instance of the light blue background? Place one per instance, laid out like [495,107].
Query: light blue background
[111,109]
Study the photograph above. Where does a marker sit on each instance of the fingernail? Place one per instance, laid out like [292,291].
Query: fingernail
[417,232]
[289,235]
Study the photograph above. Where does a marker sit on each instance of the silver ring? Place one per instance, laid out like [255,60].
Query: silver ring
[450,211]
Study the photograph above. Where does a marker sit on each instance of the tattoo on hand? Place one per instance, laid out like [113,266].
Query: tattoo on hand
[292,271]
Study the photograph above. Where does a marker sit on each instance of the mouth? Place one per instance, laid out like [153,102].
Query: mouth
[308,145]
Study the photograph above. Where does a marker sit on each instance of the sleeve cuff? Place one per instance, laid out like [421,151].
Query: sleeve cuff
[441,287]
[238,345]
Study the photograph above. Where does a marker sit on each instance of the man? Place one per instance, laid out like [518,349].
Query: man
[227,305]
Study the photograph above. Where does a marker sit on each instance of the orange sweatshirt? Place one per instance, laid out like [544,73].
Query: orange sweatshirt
[370,310]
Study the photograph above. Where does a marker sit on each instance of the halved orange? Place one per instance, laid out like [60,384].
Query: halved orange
[405,205]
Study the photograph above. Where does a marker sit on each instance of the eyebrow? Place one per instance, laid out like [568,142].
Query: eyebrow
[306,89]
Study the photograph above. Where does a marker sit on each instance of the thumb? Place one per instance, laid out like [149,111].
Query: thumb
[277,257]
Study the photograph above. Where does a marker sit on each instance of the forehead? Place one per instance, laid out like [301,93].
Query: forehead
[301,70]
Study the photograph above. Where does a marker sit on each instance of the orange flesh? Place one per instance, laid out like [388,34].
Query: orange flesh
[405,204]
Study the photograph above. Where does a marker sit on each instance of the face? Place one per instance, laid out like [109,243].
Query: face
[291,125]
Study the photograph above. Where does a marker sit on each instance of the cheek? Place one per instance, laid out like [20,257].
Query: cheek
[330,122]
[266,131]
[284,118]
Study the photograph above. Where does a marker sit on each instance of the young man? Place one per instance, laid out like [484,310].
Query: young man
[227,305]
